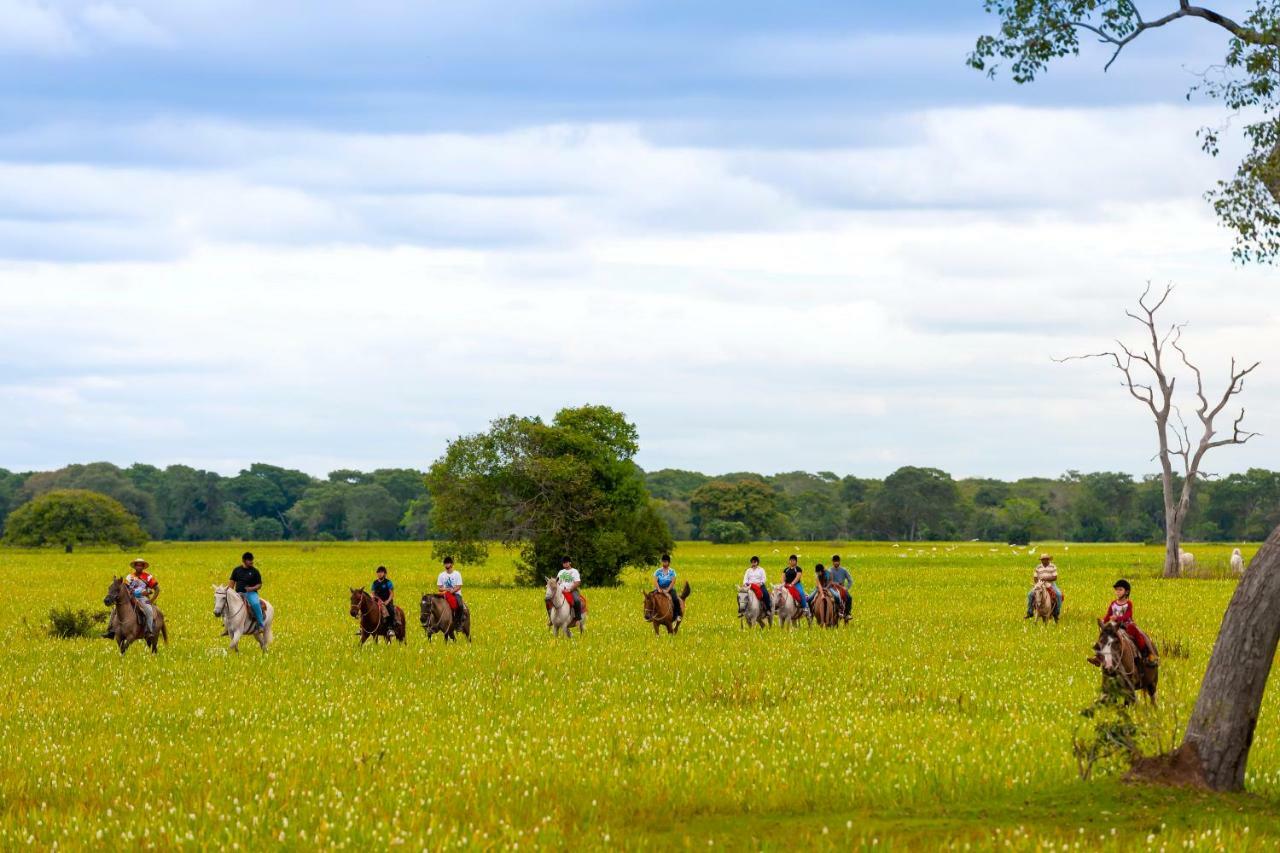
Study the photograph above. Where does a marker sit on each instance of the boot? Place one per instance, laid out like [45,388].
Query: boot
[1152,659]
[109,635]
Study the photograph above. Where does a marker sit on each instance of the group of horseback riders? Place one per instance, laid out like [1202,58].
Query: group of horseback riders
[1120,611]
[448,585]
[835,582]
[144,589]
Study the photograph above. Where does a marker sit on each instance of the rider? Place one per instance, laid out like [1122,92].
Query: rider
[823,580]
[570,580]
[664,580]
[145,590]
[384,591]
[247,580]
[757,581]
[1121,611]
[841,582]
[449,584]
[1046,572]
[791,582]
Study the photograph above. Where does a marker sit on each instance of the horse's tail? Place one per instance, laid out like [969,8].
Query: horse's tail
[686,592]
[164,632]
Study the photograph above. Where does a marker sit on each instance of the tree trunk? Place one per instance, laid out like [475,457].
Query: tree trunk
[1172,549]
[1221,726]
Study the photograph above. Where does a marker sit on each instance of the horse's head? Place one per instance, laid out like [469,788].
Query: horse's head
[428,613]
[1107,648]
[113,592]
[219,600]
[357,599]
[744,598]
[651,605]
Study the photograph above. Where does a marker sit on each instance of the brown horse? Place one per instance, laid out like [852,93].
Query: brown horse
[374,621]
[130,624]
[1122,665]
[826,610]
[436,617]
[661,613]
[1042,601]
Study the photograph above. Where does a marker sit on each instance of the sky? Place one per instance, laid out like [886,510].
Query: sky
[778,236]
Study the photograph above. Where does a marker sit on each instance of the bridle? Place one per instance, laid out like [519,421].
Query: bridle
[367,599]
[229,613]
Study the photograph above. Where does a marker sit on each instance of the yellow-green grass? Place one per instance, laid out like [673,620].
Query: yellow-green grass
[938,717]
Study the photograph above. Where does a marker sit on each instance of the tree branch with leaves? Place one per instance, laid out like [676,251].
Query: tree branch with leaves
[1034,33]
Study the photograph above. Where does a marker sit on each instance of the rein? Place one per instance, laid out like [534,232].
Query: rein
[366,598]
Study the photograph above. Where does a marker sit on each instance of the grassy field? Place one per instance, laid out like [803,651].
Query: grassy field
[938,717]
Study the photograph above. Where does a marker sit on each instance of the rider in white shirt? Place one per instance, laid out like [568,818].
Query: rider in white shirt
[449,582]
[570,580]
[756,576]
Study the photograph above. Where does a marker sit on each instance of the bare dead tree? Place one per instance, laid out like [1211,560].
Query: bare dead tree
[1155,390]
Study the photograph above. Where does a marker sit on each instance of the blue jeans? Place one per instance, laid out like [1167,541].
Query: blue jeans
[251,596]
[1057,600]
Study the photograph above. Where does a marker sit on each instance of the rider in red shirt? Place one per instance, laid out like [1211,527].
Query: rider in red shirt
[1121,611]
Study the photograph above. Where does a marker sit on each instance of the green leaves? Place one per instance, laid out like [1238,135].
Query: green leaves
[568,487]
[71,517]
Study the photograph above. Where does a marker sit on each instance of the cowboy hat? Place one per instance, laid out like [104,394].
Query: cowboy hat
[139,560]
[1046,556]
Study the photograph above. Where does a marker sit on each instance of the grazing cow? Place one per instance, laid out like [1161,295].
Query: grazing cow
[1186,560]
[1237,562]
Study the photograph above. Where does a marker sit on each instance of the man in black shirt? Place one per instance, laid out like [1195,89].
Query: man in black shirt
[385,591]
[247,580]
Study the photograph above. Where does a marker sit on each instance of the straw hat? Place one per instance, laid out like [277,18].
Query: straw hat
[138,561]
[1046,556]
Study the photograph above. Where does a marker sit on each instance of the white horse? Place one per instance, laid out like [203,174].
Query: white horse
[750,610]
[561,614]
[786,608]
[237,617]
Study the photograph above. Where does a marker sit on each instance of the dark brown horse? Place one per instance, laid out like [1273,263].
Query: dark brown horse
[660,612]
[1122,665]
[130,624]
[436,617]
[374,619]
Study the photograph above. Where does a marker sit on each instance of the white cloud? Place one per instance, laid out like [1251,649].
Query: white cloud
[325,298]
[125,25]
[31,27]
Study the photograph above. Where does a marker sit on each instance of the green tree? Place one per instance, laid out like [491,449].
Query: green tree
[678,516]
[71,517]
[1033,33]
[914,499]
[105,479]
[266,530]
[750,501]
[567,487]
[727,532]
[321,509]
[672,484]
[372,513]
[415,524]
[267,490]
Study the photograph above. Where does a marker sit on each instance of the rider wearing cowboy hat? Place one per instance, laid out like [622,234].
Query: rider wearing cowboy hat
[1048,573]
[145,589]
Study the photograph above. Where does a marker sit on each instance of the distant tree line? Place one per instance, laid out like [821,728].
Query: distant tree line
[925,503]
[261,503]
[267,502]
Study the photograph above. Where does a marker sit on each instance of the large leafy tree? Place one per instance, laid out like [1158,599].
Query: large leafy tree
[914,501]
[1033,33]
[751,502]
[71,517]
[565,487]
[105,479]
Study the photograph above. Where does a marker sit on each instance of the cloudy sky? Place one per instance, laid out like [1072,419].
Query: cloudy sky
[777,235]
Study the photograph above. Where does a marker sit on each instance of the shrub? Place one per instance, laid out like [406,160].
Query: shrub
[69,623]
[70,517]
[266,530]
[725,532]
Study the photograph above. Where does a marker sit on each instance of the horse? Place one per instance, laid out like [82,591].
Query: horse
[237,618]
[660,612]
[750,609]
[560,615]
[373,618]
[436,617]
[826,611]
[787,609]
[1043,600]
[1122,665]
[130,624]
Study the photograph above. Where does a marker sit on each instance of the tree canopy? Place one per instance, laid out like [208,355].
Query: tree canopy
[569,487]
[1034,33]
[71,517]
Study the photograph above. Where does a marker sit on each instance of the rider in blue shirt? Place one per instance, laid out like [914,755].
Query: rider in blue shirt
[664,579]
